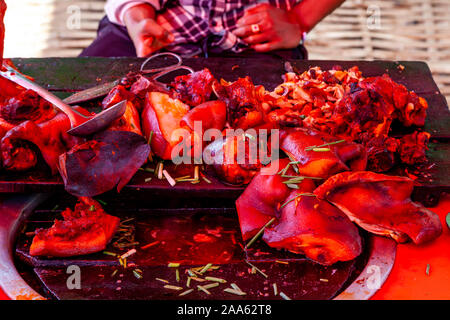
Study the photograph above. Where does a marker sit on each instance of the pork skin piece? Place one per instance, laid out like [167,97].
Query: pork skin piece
[235,158]
[315,228]
[304,224]
[342,156]
[130,121]
[260,200]
[50,137]
[211,114]
[110,159]
[85,230]
[381,204]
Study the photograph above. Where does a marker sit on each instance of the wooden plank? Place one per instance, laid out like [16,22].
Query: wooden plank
[64,74]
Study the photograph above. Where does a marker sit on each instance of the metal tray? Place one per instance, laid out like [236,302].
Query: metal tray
[298,277]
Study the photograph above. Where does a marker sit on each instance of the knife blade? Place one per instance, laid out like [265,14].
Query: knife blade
[91,93]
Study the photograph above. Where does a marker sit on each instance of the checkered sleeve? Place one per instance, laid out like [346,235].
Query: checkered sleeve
[115,9]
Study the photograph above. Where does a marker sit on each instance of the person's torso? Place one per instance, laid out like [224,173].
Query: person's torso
[194,21]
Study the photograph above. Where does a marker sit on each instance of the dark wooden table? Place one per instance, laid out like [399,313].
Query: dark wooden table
[187,210]
[66,75]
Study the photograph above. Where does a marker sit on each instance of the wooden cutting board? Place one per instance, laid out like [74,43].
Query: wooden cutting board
[67,75]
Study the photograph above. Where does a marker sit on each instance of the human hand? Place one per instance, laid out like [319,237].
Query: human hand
[147,35]
[267,28]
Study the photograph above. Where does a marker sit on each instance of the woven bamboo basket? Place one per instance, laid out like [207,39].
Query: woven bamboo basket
[359,29]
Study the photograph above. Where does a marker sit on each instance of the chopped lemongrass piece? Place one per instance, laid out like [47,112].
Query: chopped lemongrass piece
[324,145]
[253,271]
[211,285]
[275,289]
[125,263]
[323,280]
[188,282]
[149,142]
[262,273]
[171,287]
[294,181]
[292,186]
[162,280]
[321,149]
[148,179]
[283,171]
[171,181]
[182,178]
[121,262]
[103,203]
[203,289]
[185,292]
[292,177]
[284,296]
[215,279]
[427,271]
[177,275]
[259,233]
[297,196]
[126,220]
[128,253]
[196,173]
[190,273]
[197,279]
[92,208]
[195,181]
[206,179]
[150,138]
[281,262]
[173,265]
[55,207]
[160,170]
[157,169]
[236,292]
[205,268]
[114,273]
[235,287]
[249,136]
[110,253]
[185,180]
[137,274]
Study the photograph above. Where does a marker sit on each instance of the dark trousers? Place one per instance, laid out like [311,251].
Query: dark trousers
[113,41]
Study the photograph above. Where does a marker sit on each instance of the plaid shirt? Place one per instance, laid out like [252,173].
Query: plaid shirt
[197,24]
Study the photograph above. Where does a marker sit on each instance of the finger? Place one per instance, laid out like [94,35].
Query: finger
[251,19]
[257,8]
[264,47]
[152,28]
[259,38]
[243,31]
[145,48]
[246,31]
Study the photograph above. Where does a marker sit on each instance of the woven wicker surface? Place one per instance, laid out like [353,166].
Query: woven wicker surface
[407,30]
